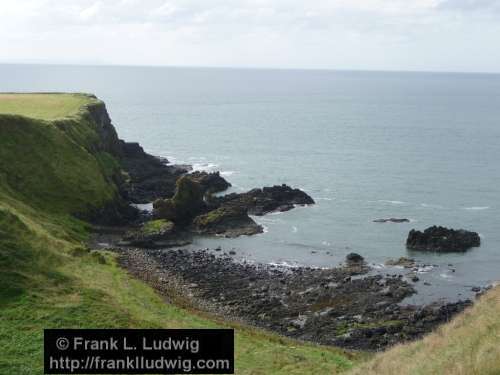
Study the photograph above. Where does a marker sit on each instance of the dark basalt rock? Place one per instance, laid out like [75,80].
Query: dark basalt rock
[442,239]
[210,182]
[228,221]
[117,212]
[150,178]
[195,208]
[391,220]
[186,203]
[339,306]
[155,234]
[265,200]
[354,258]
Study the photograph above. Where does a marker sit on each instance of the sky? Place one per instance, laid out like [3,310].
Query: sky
[416,35]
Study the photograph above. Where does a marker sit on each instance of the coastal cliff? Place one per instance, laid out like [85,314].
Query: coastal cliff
[59,167]
[66,165]
[61,160]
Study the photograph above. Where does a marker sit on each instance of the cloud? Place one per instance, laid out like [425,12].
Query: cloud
[484,6]
[91,12]
[300,33]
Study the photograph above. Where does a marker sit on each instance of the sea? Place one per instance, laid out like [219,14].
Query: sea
[364,145]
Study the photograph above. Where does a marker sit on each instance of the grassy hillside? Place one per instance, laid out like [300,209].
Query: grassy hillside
[48,170]
[469,345]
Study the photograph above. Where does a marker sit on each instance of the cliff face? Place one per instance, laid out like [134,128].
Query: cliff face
[69,165]
[108,137]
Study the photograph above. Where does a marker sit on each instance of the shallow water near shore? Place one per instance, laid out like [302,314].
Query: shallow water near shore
[364,145]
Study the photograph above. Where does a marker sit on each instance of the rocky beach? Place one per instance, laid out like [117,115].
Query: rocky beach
[351,306]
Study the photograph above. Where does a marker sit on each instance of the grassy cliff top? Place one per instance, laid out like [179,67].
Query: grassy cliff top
[43,106]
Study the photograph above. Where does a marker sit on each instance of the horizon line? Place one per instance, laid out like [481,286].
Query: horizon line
[367,70]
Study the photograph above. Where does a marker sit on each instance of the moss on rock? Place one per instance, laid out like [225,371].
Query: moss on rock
[157,227]
[230,221]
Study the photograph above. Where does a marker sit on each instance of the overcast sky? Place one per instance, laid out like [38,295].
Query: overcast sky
[435,35]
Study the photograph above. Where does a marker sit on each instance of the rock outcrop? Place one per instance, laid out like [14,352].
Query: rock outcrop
[194,208]
[354,258]
[268,199]
[155,234]
[441,239]
[228,221]
[150,178]
[187,202]
[210,182]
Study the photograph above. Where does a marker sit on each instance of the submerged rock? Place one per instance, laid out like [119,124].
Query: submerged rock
[391,220]
[442,239]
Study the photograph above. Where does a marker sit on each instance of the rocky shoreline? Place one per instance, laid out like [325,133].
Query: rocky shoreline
[337,306]
[346,306]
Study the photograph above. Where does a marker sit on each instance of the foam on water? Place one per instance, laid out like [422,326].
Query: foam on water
[430,205]
[391,202]
[205,167]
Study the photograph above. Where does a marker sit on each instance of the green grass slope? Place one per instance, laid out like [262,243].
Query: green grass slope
[468,345]
[51,167]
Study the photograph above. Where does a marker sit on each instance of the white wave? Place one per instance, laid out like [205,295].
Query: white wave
[261,219]
[391,202]
[143,207]
[284,264]
[204,167]
[325,243]
[429,205]
[425,269]
[446,276]
[323,199]
[476,208]
[227,173]
[294,229]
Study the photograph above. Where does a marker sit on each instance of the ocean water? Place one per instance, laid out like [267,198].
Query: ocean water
[364,145]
